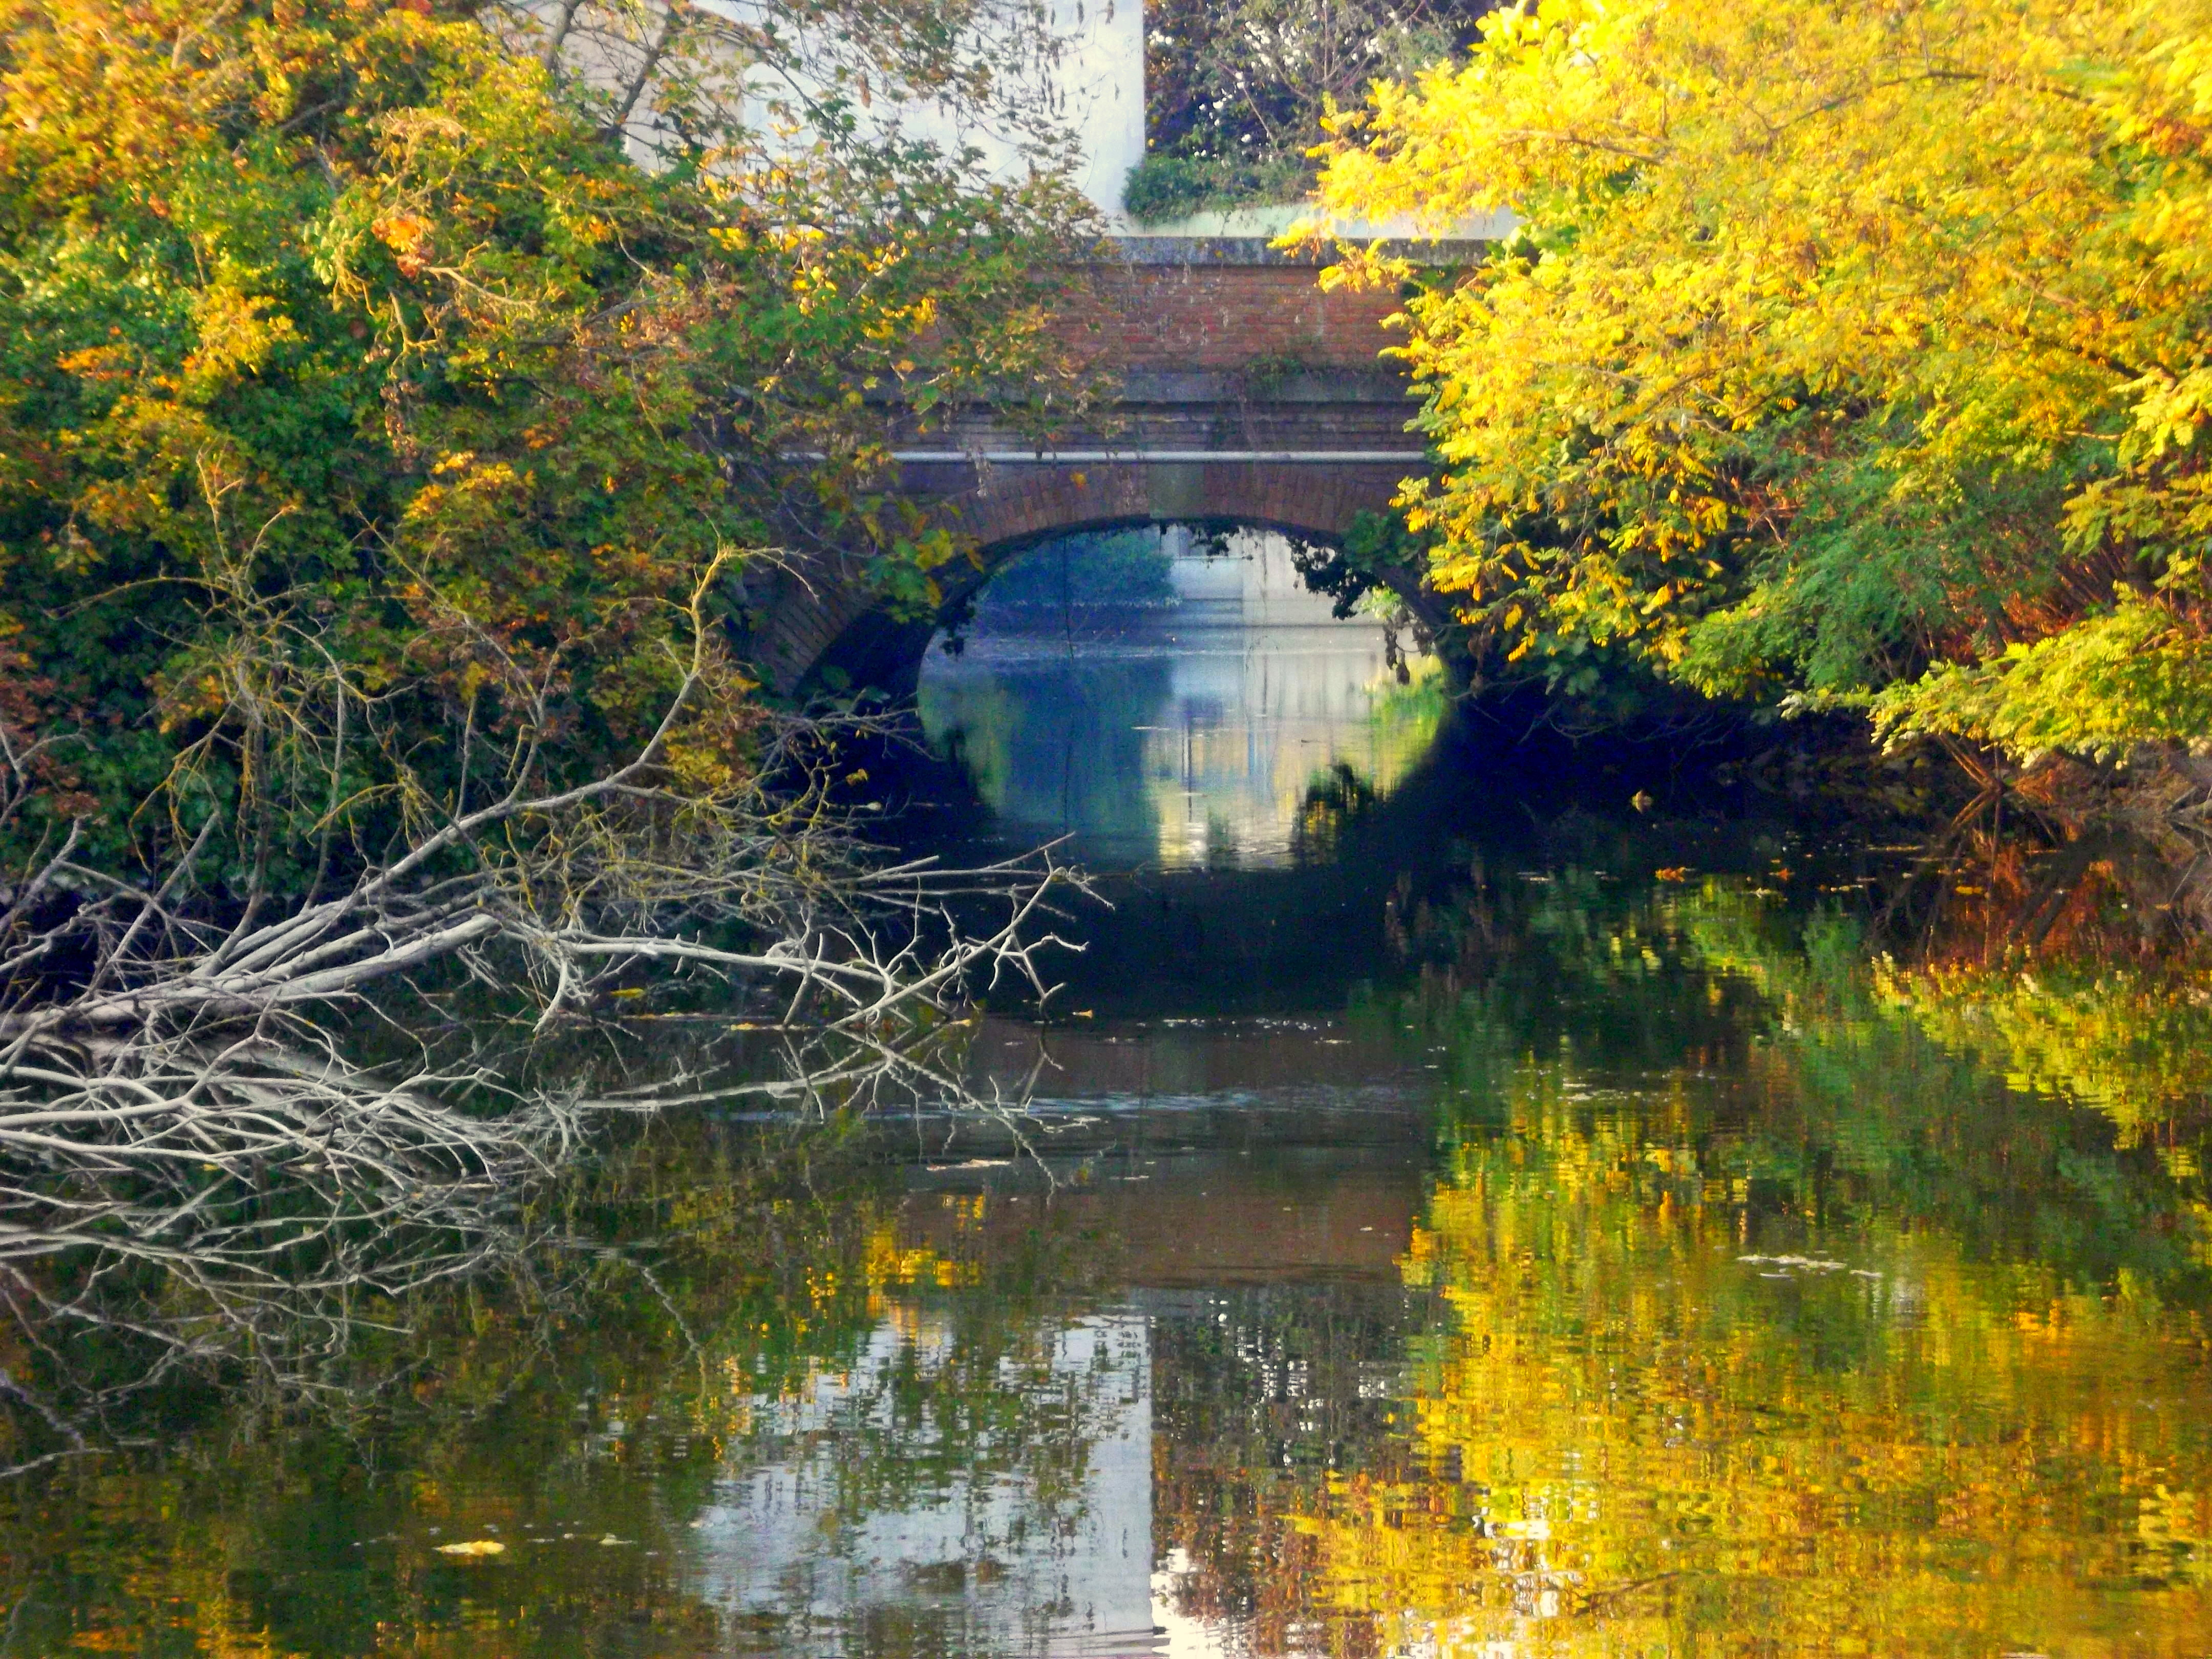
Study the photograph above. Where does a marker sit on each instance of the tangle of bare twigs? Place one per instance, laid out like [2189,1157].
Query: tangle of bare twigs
[227,1131]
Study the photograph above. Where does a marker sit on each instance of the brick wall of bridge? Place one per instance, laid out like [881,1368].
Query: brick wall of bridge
[1223,347]
[1222,317]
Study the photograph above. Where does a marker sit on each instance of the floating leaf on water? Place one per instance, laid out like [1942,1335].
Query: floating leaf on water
[474,1546]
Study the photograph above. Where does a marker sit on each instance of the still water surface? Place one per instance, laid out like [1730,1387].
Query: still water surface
[1535,1256]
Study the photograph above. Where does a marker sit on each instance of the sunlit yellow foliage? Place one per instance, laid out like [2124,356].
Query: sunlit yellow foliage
[891,1264]
[1837,339]
[2134,1044]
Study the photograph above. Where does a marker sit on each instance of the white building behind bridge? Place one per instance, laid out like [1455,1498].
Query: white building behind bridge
[1098,85]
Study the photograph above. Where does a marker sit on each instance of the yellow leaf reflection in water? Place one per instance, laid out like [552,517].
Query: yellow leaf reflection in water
[1641,1433]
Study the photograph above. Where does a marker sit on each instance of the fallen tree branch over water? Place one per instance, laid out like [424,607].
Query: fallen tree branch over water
[205,1178]
[546,894]
[230,1119]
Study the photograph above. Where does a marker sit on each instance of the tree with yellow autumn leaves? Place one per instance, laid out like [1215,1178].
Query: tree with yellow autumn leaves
[1845,354]
[367,411]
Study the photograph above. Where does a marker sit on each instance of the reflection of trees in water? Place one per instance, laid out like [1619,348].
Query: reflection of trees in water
[1920,1420]
[1052,752]
[1671,1413]
[2027,1106]
[241,1503]
[700,1303]
[1863,1329]
[1333,799]
[241,1188]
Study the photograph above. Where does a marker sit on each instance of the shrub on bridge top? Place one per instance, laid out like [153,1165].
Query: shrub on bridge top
[1161,188]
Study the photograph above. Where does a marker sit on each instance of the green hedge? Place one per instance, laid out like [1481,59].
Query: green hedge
[1162,187]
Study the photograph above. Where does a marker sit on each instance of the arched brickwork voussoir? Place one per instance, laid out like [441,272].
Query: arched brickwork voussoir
[1017,507]
[1014,508]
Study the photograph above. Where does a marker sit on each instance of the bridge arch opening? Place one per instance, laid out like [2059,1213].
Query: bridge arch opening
[1021,509]
[1174,697]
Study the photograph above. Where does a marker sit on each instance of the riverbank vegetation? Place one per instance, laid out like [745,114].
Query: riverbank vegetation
[396,401]
[1844,359]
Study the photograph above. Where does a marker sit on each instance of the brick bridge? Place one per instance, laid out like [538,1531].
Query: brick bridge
[1246,395]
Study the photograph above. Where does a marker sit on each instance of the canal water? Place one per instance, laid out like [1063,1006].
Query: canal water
[1460,1205]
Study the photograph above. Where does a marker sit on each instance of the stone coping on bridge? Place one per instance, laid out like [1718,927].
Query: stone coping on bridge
[1247,235]
[1164,250]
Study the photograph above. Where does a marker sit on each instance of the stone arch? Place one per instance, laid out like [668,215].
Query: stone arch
[805,632]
